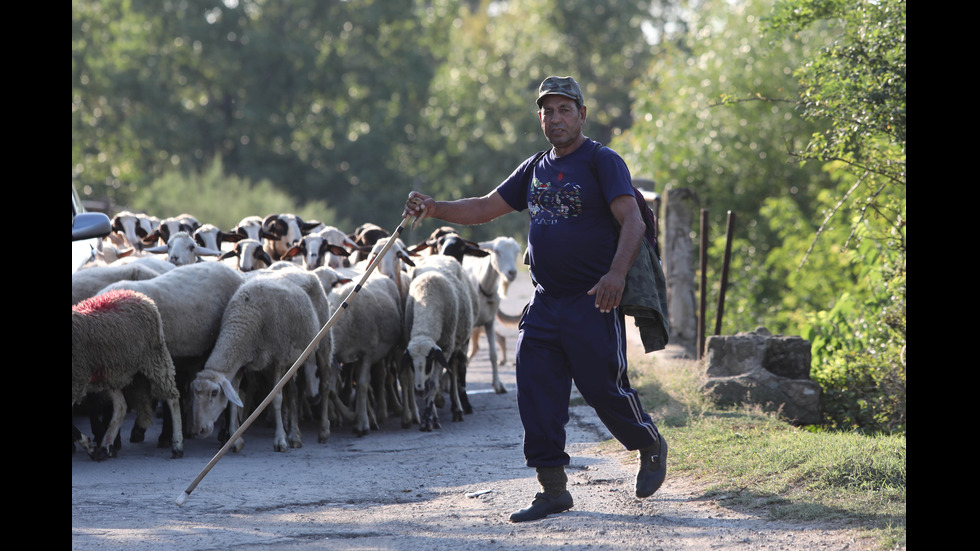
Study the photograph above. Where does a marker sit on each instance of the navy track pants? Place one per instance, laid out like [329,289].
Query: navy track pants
[568,339]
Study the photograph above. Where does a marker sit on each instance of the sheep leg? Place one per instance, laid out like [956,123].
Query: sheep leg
[279,443]
[455,381]
[137,395]
[99,408]
[474,342]
[177,434]
[327,395]
[410,410]
[380,379]
[106,448]
[294,437]
[363,424]
[502,342]
[233,423]
[392,379]
[490,330]
[83,441]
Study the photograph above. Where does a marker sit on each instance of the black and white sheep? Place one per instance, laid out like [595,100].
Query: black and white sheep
[249,255]
[326,247]
[286,229]
[364,238]
[132,227]
[115,337]
[438,323]
[211,237]
[169,227]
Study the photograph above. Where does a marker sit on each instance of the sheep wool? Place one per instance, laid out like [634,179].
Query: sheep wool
[115,336]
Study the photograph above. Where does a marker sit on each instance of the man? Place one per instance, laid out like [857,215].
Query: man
[584,234]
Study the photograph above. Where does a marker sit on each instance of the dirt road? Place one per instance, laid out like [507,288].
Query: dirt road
[405,489]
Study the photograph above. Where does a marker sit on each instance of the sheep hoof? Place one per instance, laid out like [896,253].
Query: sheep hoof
[280,446]
[323,437]
[457,416]
[177,453]
[103,452]
[137,435]
[237,447]
[500,389]
[296,443]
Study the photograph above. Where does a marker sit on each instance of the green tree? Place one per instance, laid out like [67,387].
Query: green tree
[316,97]
[688,133]
[482,120]
[856,85]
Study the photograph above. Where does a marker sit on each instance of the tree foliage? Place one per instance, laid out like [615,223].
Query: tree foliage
[689,133]
[857,86]
[313,96]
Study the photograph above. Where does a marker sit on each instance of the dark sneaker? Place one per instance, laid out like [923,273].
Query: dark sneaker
[653,469]
[542,506]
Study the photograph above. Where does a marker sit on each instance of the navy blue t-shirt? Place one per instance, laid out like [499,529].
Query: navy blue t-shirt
[572,236]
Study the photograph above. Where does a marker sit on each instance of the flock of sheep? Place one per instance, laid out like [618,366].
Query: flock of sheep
[205,322]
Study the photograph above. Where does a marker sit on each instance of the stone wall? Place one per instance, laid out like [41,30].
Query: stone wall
[760,368]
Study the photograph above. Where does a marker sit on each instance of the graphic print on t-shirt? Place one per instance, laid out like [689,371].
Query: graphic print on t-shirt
[548,204]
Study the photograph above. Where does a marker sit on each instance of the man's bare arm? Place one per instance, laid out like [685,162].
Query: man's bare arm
[469,211]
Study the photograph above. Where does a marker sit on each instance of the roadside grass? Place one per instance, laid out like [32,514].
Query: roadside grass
[751,460]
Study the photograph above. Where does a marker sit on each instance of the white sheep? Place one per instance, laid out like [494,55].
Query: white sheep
[154,262]
[191,300]
[438,322]
[87,282]
[488,275]
[114,337]
[364,338]
[267,325]
[318,380]
[182,249]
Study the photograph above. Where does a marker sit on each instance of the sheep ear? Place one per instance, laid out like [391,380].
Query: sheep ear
[157,249]
[293,251]
[436,354]
[230,392]
[337,250]
[204,251]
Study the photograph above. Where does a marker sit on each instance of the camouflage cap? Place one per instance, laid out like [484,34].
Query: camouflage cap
[562,86]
